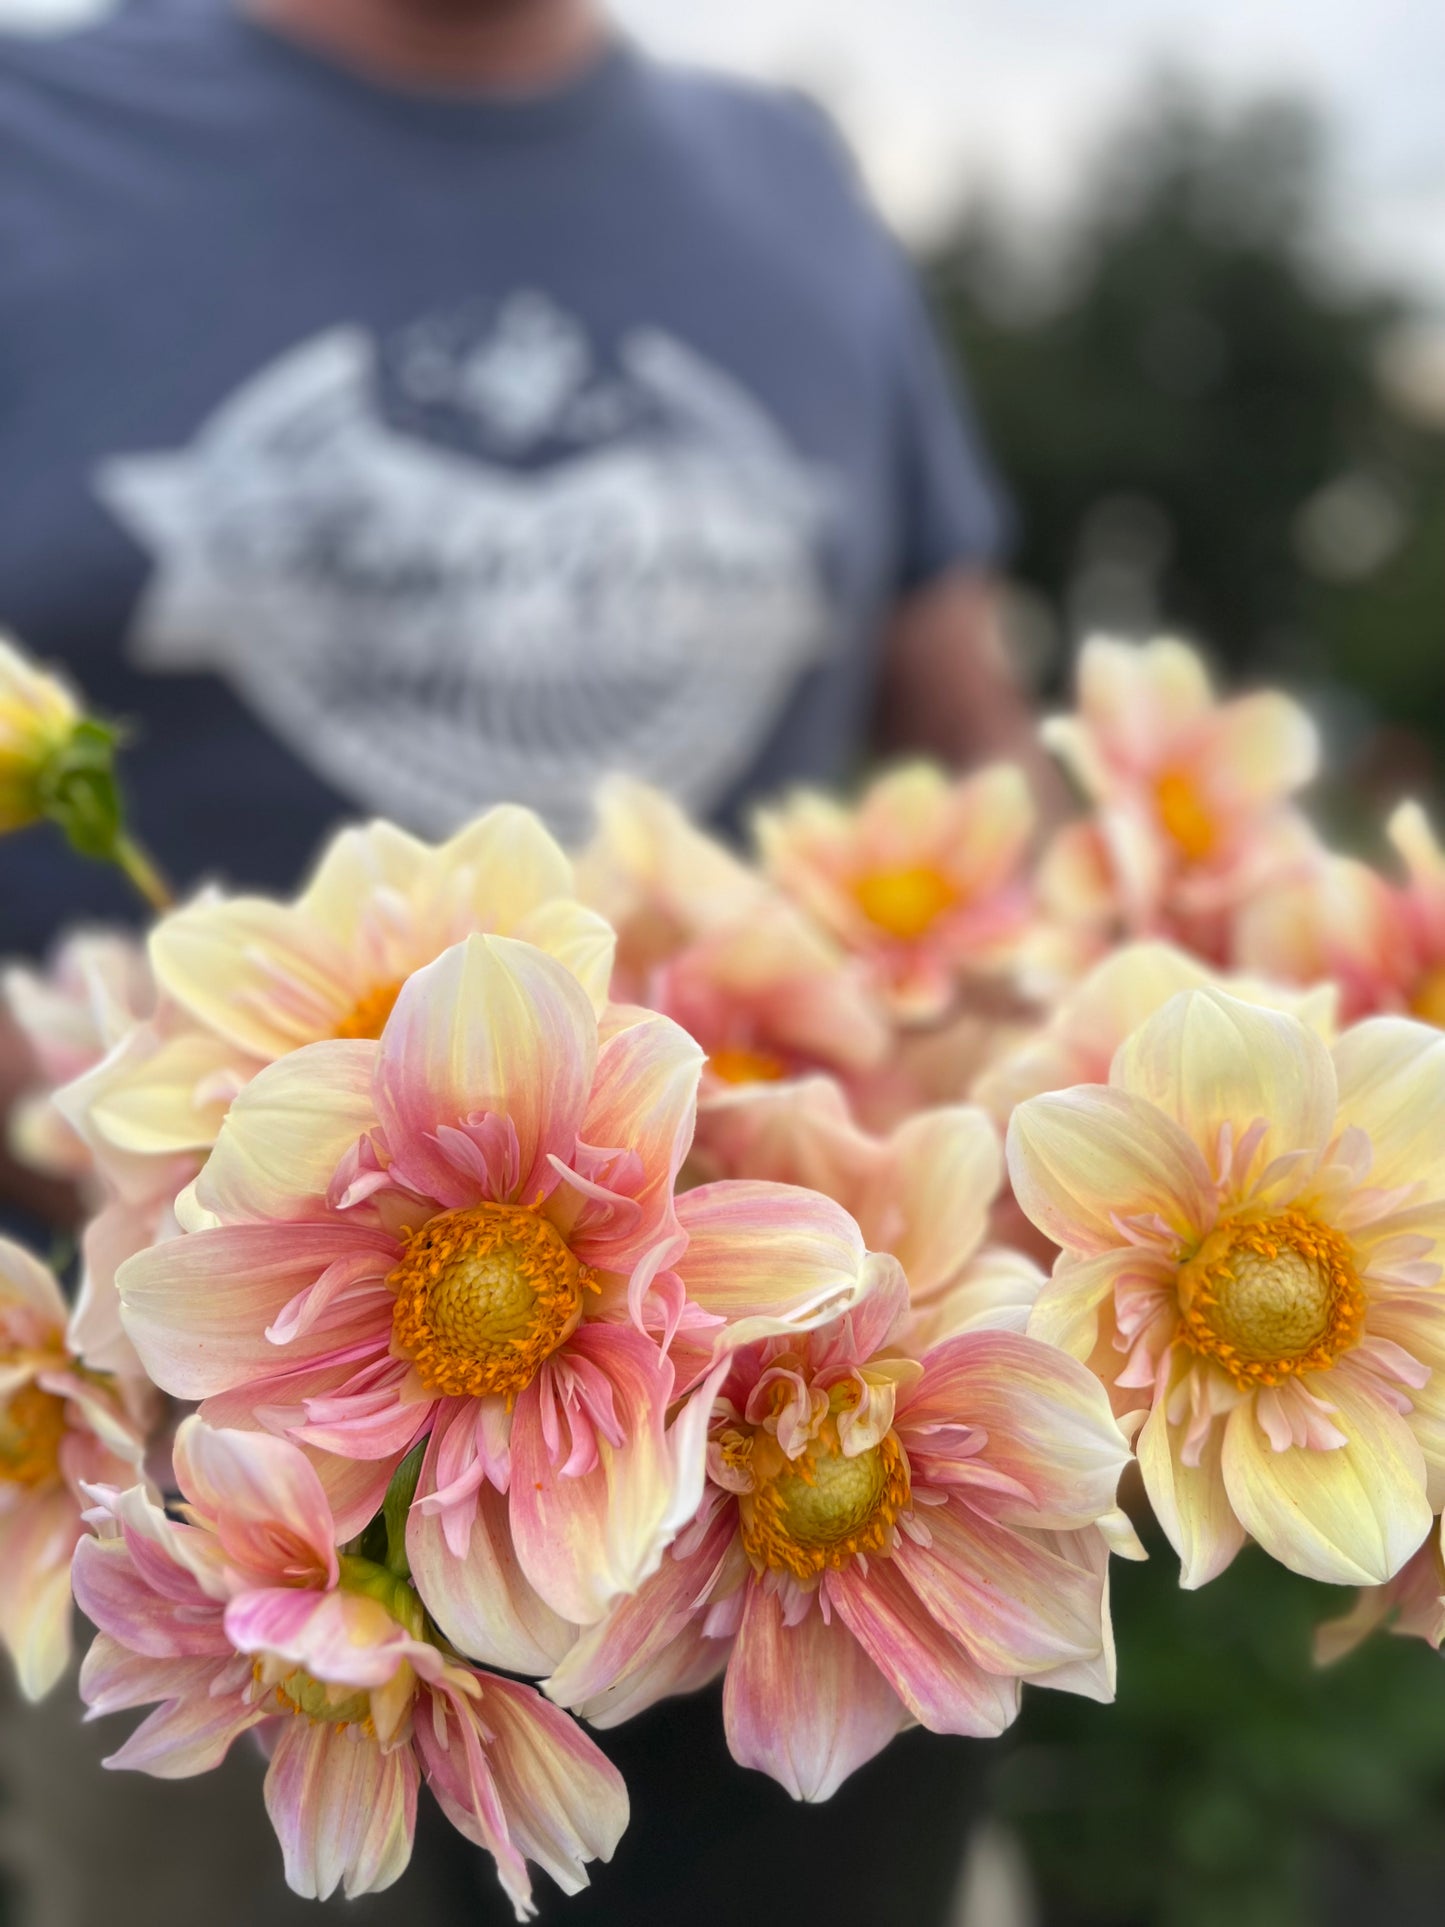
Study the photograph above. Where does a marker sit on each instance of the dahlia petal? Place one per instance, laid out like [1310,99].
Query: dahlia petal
[1081,1158]
[263,1500]
[1392,1086]
[1067,1310]
[113,1678]
[286,1133]
[581,939]
[492,1026]
[36,1544]
[601,1666]
[1008,1596]
[1349,1517]
[197,1308]
[949,1168]
[769,1258]
[564,1800]
[1208,1061]
[115,1595]
[942,1687]
[804,1703]
[190,1733]
[24,1281]
[342,1638]
[1266,747]
[344,1811]
[452,1744]
[644,1099]
[253,972]
[482,1600]
[1189,1501]
[690,1660]
[155,1096]
[585,1539]
[1048,1422]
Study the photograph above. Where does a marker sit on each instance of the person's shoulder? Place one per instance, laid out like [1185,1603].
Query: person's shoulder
[138,46]
[769,127]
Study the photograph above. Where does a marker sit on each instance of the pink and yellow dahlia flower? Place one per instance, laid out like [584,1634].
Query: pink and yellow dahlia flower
[242,1615]
[923,880]
[1250,1222]
[1191,797]
[888,1535]
[61,1427]
[460,1230]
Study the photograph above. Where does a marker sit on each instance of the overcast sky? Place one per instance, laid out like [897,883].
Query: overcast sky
[941,94]
[938,94]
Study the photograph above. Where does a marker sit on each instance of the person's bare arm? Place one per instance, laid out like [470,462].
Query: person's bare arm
[949,692]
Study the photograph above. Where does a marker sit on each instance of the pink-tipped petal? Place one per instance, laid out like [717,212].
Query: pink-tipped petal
[198,1308]
[564,1800]
[584,1539]
[493,1026]
[942,1687]
[644,1100]
[264,1500]
[769,1258]
[482,1600]
[344,1811]
[36,1543]
[190,1733]
[804,1703]
[1047,1418]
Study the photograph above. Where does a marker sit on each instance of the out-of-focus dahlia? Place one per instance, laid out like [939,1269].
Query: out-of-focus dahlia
[61,1426]
[922,880]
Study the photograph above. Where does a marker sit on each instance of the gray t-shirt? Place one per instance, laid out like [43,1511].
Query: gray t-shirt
[387,451]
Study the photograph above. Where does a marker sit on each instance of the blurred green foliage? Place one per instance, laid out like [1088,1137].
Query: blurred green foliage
[1234,1783]
[1185,396]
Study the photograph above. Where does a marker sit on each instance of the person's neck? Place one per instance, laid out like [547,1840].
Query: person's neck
[511,44]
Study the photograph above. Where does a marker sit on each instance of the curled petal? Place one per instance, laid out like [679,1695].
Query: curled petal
[344,1811]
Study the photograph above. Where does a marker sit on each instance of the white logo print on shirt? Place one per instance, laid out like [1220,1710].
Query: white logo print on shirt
[528,575]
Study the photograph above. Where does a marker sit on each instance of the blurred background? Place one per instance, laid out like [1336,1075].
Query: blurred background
[1192,258]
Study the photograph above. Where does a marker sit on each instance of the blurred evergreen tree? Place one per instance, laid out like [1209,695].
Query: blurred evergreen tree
[1185,397]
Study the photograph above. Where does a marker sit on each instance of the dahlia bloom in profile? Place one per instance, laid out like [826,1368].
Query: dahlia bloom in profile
[243,1615]
[60,1426]
[93,989]
[456,1232]
[888,1535]
[1191,795]
[707,941]
[1382,942]
[1250,1222]
[38,716]
[922,880]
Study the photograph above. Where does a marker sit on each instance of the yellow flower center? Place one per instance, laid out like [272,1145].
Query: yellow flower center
[483,1296]
[368,1017]
[1271,1297]
[817,1511]
[1184,814]
[32,1426]
[1428,1003]
[739,1065]
[906,903]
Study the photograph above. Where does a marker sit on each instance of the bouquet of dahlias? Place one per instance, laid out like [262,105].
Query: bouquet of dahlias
[620,1269]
